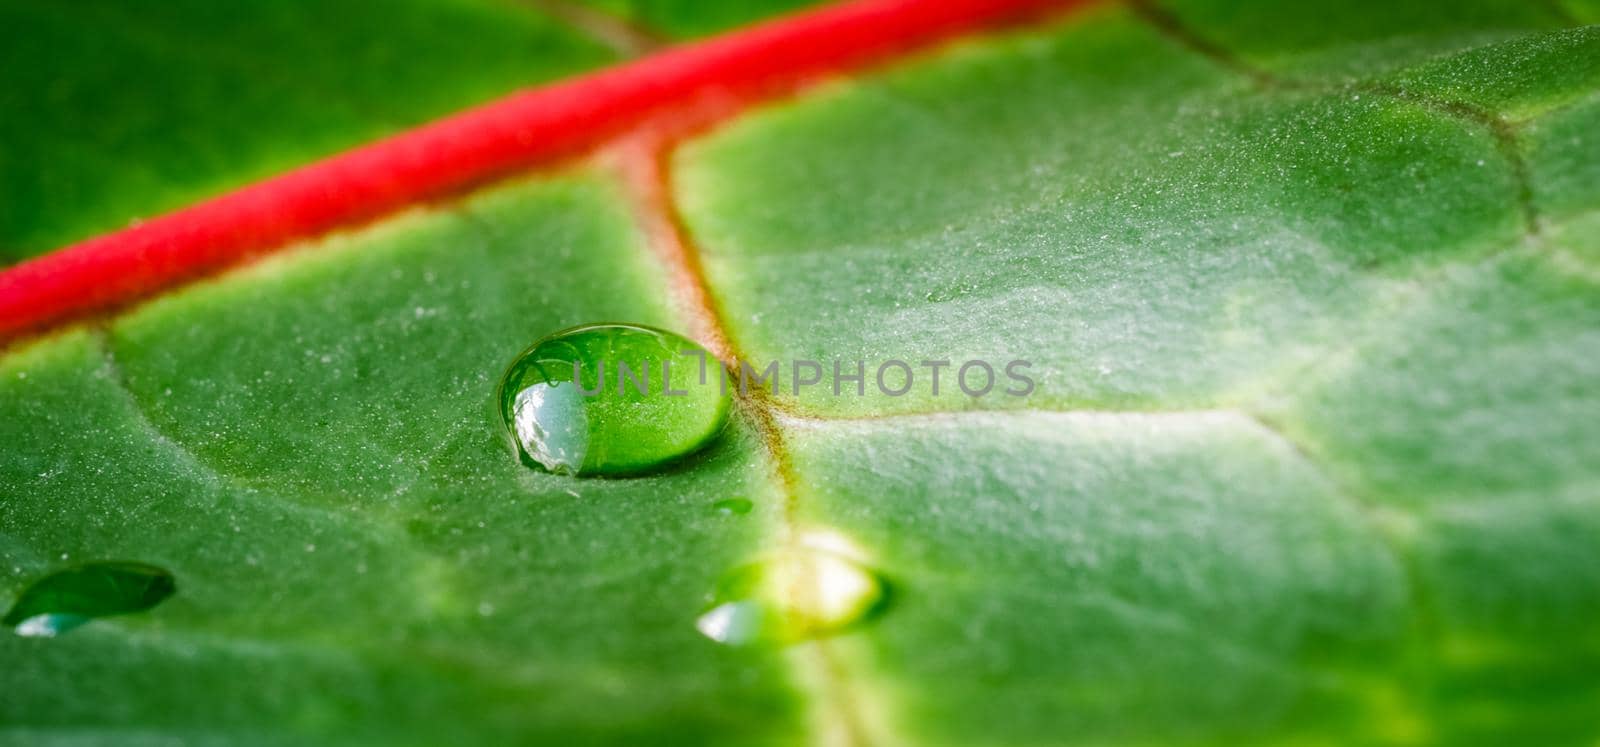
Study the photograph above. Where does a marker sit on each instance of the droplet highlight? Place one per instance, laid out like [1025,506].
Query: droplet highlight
[807,591]
[612,399]
[69,598]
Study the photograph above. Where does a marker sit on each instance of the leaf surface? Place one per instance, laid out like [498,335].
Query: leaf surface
[1312,455]
[122,111]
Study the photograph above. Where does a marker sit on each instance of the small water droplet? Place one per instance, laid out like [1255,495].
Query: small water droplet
[612,399]
[814,589]
[69,598]
[733,506]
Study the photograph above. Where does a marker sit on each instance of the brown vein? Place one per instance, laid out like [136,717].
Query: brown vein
[644,165]
[1425,614]
[1501,131]
[623,36]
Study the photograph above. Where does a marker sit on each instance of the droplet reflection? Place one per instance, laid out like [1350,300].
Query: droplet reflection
[815,588]
[67,599]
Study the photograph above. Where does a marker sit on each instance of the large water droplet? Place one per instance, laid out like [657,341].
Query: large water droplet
[612,399]
[69,598]
[813,589]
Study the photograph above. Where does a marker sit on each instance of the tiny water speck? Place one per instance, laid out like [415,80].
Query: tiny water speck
[733,506]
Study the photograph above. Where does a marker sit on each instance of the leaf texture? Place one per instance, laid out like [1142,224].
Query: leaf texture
[1311,297]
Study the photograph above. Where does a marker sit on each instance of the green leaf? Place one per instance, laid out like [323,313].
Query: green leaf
[362,558]
[691,18]
[120,111]
[1312,312]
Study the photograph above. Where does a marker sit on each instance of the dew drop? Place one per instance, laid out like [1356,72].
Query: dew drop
[69,598]
[733,506]
[807,591]
[612,399]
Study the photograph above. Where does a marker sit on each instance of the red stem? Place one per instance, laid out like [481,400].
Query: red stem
[478,145]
